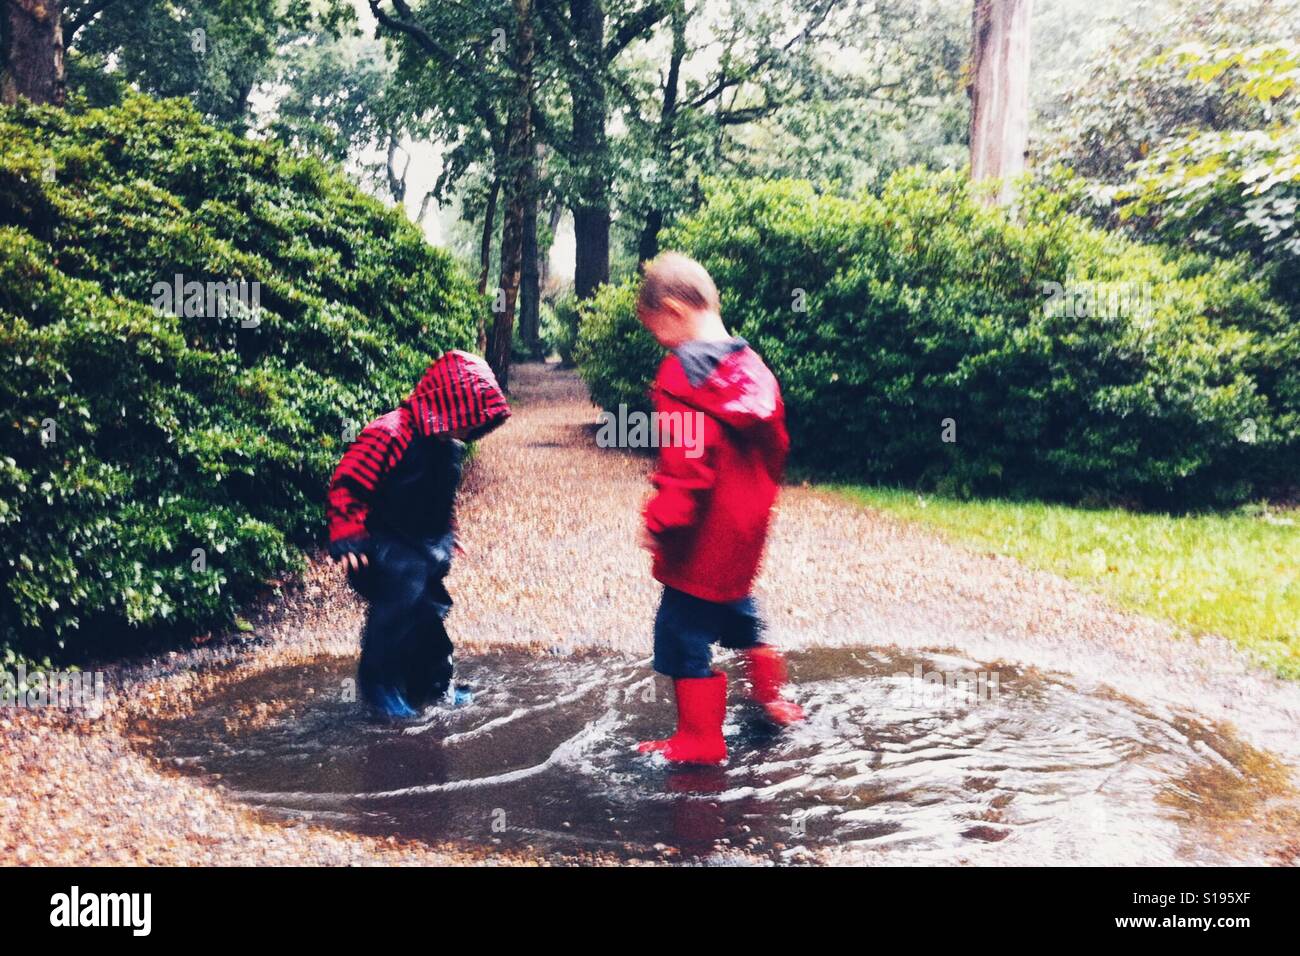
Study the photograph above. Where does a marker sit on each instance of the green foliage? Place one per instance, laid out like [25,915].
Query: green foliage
[335,101]
[175,433]
[1186,130]
[894,97]
[785,90]
[616,355]
[213,51]
[1234,191]
[1131,94]
[560,322]
[886,315]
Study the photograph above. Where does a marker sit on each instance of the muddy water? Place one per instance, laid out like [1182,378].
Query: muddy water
[891,765]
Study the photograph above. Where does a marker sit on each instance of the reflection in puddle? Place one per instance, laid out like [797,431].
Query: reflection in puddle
[1022,767]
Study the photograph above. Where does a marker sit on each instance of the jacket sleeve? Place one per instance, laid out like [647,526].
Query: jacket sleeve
[363,465]
[440,554]
[685,476]
[782,451]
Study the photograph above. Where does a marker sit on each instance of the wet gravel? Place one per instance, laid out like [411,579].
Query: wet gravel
[549,522]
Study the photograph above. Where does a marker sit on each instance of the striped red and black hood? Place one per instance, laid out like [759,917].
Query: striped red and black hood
[458,391]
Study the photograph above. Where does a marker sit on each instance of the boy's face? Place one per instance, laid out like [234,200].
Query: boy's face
[667,323]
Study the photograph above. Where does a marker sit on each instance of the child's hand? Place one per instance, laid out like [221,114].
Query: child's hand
[648,540]
[353,562]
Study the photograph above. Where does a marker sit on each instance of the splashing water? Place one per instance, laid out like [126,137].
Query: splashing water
[892,765]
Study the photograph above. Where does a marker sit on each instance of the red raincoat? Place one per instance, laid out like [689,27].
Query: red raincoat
[710,513]
[458,391]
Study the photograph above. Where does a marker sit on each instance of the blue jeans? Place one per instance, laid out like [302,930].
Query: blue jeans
[686,627]
[405,645]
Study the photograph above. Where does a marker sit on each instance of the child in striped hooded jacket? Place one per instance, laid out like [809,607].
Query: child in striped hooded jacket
[391,524]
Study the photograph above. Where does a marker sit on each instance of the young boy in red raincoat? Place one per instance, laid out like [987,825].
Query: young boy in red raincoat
[391,505]
[707,522]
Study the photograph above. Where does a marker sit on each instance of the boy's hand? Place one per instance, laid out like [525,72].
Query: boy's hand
[353,562]
[648,540]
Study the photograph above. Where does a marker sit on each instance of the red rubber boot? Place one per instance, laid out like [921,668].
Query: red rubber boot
[701,705]
[767,675]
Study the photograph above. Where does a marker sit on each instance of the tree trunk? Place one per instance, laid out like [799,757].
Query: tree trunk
[519,159]
[485,244]
[648,247]
[396,183]
[544,255]
[591,217]
[507,296]
[425,203]
[530,290]
[591,255]
[485,255]
[32,54]
[999,92]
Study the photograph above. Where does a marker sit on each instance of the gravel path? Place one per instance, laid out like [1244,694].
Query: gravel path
[549,522]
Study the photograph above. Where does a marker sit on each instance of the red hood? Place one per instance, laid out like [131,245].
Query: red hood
[458,391]
[740,392]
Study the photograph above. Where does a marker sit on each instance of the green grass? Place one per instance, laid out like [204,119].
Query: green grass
[1235,574]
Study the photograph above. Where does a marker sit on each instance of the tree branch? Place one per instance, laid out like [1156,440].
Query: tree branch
[725,82]
[634,26]
[83,17]
[403,23]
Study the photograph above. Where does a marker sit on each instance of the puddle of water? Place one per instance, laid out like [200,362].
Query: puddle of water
[888,764]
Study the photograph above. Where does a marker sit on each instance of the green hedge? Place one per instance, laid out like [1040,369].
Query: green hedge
[560,327]
[179,433]
[887,314]
[615,354]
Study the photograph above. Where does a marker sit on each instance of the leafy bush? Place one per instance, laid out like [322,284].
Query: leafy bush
[891,318]
[560,327]
[616,355]
[135,436]
[1132,93]
[1233,191]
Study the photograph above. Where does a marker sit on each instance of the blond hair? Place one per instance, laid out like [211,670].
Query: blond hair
[674,276]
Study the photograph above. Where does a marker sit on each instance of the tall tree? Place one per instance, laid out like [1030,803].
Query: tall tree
[999,91]
[732,77]
[520,158]
[591,214]
[485,243]
[31,51]
[473,63]
[215,52]
[341,100]
[530,275]
[587,45]
[664,133]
